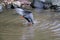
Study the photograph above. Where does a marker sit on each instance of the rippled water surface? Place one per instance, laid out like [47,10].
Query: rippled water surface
[46,27]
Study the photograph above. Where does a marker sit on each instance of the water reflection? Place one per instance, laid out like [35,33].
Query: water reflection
[46,27]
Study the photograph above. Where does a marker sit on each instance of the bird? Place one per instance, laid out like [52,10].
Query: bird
[26,14]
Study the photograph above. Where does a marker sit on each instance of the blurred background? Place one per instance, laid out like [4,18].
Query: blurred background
[46,17]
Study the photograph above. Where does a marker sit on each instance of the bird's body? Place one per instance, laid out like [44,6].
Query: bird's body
[26,14]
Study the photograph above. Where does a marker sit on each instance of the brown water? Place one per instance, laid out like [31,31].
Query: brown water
[46,27]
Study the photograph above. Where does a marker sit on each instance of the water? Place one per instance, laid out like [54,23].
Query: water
[46,27]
